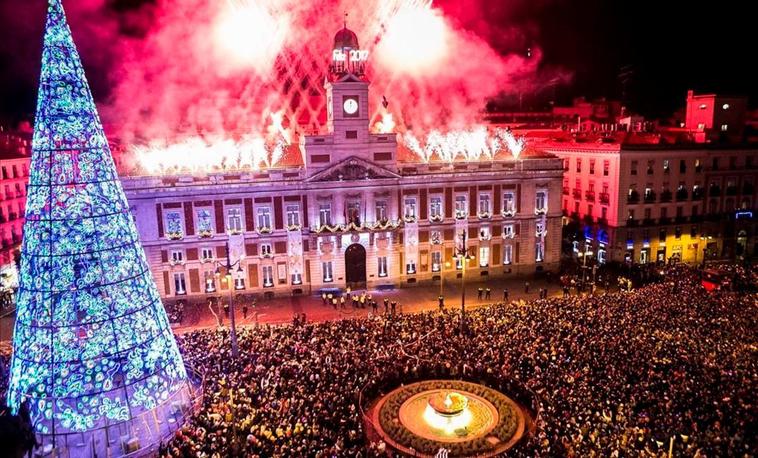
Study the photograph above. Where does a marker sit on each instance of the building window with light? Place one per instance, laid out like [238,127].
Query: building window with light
[435,237]
[507,254]
[325,214]
[578,165]
[268,276]
[380,210]
[436,261]
[410,208]
[326,268]
[234,220]
[539,250]
[239,283]
[174,227]
[410,267]
[435,208]
[180,285]
[459,263]
[484,205]
[381,263]
[508,231]
[210,282]
[354,213]
[724,127]
[264,218]
[540,226]
[461,207]
[293,216]
[297,278]
[509,203]
[592,166]
[606,168]
[484,256]
[204,222]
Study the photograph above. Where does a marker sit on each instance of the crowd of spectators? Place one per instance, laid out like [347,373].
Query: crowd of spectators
[616,375]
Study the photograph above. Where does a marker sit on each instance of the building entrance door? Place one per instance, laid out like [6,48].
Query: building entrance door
[355,265]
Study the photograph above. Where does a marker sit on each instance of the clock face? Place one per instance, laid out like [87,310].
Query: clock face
[350,106]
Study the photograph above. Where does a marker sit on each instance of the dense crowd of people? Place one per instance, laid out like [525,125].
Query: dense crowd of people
[616,375]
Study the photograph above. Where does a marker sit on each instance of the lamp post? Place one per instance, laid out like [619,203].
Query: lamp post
[463,256]
[229,266]
[585,255]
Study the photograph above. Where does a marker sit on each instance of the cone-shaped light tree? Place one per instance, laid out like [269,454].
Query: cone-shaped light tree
[92,343]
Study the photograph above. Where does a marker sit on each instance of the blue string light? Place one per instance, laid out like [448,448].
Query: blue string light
[92,343]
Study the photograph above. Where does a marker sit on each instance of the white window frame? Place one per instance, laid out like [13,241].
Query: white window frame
[507,254]
[234,220]
[435,208]
[210,282]
[380,210]
[180,284]
[327,271]
[509,203]
[168,218]
[436,261]
[325,214]
[509,231]
[484,256]
[239,283]
[410,267]
[263,218]
[540,201]
[485,204]
[297,278]
[381,266]
[539,250]
[266,250]
[206,253]
[267,272]
[293,215]
[409,209]
[206,212]
[177,257]
[461,206]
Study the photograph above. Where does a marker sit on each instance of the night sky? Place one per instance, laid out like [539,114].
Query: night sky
[662,47]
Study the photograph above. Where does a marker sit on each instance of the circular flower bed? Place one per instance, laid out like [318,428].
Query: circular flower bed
[509,428]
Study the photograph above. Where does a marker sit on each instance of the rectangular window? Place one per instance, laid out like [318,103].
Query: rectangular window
[650,167]
[436,261]
[325,214]
[578,165]
[266,251]
[540,201]
[682,166]
[264,218]
[210,282]
[539,248]
[592,166]
[326,268]
[484,205]
[410,267]
[461,207]
[565,165]
[435,237]
[239,283]
[354,213]
[484,256]
[509,203]
[382,266]
[297,278]
[435,207]
[268,276]
[507,254]
[508,231]
[410,208]
[351,134]
[234,220]
[177,256]
[540,228]
[204,222]
[606,168]
[666,166]
[174,228]
[206,253]
[180,285]
[381,210]
[633,168]
[293,216]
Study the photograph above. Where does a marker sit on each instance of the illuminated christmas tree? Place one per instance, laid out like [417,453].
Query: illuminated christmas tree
[93,349]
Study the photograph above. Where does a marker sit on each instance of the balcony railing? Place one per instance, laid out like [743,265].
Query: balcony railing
[698,194]
[605,198]
[589,196]
[577,193]
[649,197]
[633,197]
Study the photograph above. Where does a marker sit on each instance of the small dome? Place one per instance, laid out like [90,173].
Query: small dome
[346,38]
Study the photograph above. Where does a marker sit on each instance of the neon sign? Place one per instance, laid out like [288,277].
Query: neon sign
[353,55]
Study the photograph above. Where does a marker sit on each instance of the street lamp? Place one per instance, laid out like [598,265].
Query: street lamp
[229,266]
[587,253]
[463,256]
[442,282]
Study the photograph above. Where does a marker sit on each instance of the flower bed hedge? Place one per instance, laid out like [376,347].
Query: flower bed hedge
[503,431]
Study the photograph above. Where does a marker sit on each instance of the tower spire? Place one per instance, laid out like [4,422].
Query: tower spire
[93,349]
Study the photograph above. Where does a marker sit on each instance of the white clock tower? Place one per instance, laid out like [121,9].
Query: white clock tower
[347,102]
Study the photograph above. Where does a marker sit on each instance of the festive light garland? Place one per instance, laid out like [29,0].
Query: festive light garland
[92,343]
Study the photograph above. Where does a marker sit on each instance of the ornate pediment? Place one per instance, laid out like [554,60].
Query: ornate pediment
[353,169]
